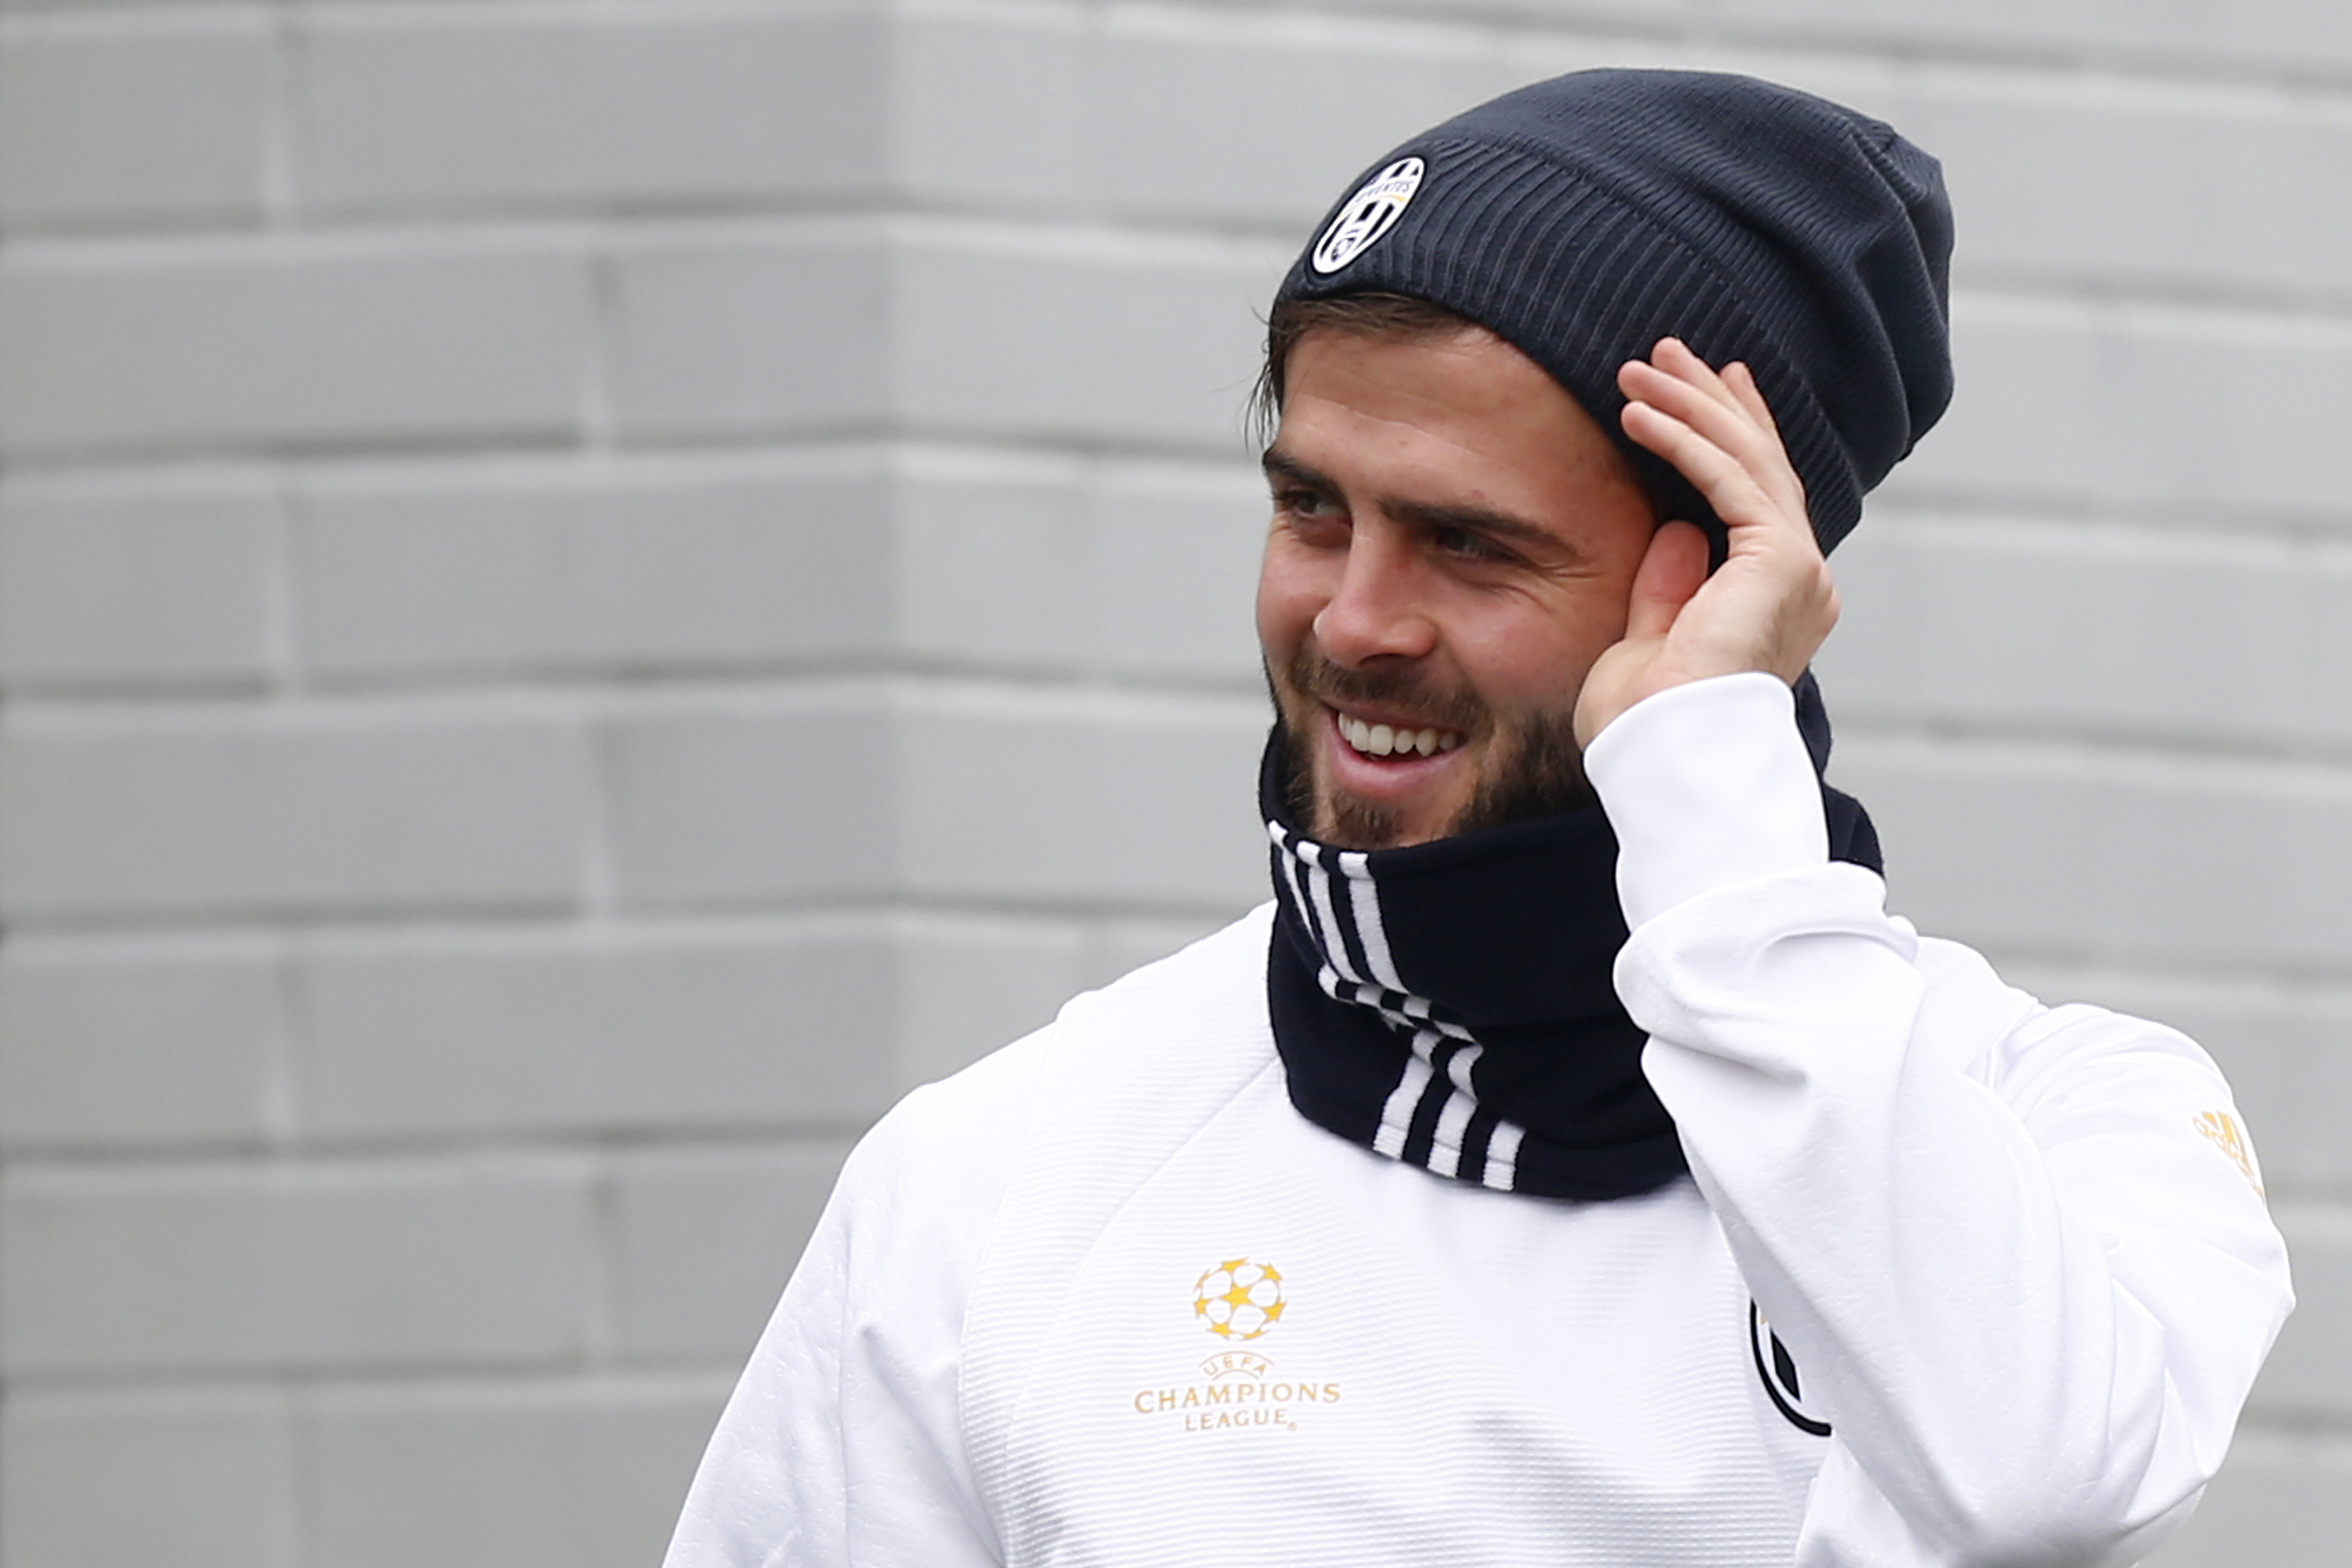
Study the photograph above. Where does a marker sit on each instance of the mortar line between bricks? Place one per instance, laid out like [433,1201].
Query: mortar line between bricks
[2155,517]
[602,1332]
[286,1080]
[2282,757]
[2181,66]
[494,445]
[1924,513]
[2328,986]
[2153,307]
[650,459]
[2150,65]
[599,873]
[625,227]
[494,1152]
[600,897]
[401,16]
[600,231]
[531,699]
[1505,26]
[631,225]
[2111,302]
[200,924]
[507,1152]
[615,232]
[144,462]
[585,707]
[623,232]
[294,1524]
[126,22]
[533,1157]
[943,672]
[281,632]
[2322,763]
[280,193]
[2274,1422]
[2212,980]
[420,465]
[790,452]
[426,1382]
[787,220]
[693,931]
[666,927]
[599,353]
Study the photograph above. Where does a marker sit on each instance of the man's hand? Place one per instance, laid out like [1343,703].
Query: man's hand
[1772,602]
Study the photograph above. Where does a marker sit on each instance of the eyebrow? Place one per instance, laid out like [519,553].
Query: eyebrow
[1502,525]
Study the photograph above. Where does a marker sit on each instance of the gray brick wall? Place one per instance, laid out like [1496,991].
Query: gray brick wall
[575,578]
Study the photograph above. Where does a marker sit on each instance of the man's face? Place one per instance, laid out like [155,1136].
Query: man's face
[1453,545]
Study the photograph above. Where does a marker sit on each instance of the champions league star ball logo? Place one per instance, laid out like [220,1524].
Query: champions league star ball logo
[1239,1300]
[1235,1387]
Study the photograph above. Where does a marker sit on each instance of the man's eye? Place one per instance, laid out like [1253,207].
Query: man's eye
[1305,506]
[1470,546]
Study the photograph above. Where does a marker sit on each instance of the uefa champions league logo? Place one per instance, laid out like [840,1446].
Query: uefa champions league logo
[1239,1300]
[1233,1390]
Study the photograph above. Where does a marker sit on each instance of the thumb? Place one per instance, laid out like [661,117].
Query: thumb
[1671,571]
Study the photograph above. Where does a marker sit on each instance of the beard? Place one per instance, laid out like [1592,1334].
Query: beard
[1534,767]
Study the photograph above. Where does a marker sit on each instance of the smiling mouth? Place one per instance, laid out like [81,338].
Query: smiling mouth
[1388,740]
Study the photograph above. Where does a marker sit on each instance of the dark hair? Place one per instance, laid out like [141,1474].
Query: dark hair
[1368,315]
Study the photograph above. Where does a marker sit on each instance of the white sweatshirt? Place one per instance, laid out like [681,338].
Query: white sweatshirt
[1957,1279]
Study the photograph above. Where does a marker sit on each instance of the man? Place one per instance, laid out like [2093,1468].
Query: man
[1427,1217]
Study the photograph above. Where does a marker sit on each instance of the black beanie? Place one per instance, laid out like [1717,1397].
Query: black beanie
[1583,218]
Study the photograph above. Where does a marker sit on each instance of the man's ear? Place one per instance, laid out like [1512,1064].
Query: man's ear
[1679,558]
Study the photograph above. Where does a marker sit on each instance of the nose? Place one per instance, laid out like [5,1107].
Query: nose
[1376,610]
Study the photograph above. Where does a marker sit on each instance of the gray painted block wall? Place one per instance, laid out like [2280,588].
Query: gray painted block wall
[579,584]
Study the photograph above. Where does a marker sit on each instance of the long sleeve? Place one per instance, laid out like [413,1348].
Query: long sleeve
[2018,1254]
[843,1442]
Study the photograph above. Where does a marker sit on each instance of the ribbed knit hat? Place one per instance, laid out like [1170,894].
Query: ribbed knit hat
[1583,218]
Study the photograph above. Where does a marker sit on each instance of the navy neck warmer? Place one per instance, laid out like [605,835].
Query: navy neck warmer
[1450,1005]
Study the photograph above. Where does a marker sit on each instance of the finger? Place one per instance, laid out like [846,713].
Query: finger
[1742,382]
[1710,406]
[1679,360]
[1673,362]
[1739,425]
[1730,486]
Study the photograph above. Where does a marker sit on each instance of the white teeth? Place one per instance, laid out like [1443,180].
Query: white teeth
[1386,740]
